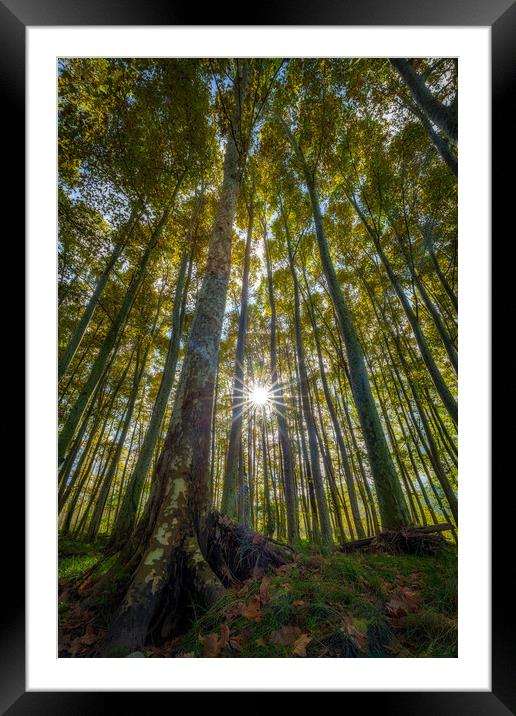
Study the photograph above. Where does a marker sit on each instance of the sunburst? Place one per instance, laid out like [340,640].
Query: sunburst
[259,395]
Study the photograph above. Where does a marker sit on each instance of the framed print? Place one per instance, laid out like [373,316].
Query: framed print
[255,251]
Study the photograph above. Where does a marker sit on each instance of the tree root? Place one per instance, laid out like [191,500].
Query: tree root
[235,552]
[222,554]
[412,540]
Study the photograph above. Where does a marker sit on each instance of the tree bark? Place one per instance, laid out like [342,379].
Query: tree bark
[97,370]
[444,392]
[278,403]
[129,508]
[393,509]
[80,330]
[445,117]
[322,504]
[177,542]
[230,497]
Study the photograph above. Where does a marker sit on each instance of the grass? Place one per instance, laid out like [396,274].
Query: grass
[344,604]
[340,605]
[76,558]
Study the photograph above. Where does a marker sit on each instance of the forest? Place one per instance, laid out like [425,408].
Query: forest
[257,358]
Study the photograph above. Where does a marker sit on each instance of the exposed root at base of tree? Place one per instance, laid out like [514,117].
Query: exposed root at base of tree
[412,540]
[232,553]
[235,552]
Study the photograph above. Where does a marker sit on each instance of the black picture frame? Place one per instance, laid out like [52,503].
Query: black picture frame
[500,15]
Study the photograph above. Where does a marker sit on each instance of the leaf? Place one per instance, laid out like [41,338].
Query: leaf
[224,635]
[285,636]
[211,645]
[300,645]
[252,609]
[88,584]
[235,610]
[235,643]
[283,569]
[264,590]
[403,602]
[90,636]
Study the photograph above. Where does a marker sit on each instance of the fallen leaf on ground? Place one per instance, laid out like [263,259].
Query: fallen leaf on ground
[358,634]
[283,569]
[300,645]
[235,642]
[211,645]
[403,602]
[224,635]
[264,590]
[285,636]
[252,609]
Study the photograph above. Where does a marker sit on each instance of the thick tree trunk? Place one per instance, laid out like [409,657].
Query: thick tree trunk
[129,508]
[176,543]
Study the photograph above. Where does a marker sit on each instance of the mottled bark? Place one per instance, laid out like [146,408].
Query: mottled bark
[176,542]
[129,508]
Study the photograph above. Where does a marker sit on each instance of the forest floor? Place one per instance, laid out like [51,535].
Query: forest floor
[323,604]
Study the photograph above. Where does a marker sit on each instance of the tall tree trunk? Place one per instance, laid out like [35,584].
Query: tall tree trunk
[322,504]
[231,475]
[445,117]
[80,330]
[176,542]
[100,503]
[278,403]
[393,508]
[74,417]
[429,243]
[350,484]
[444,392]
[129,508]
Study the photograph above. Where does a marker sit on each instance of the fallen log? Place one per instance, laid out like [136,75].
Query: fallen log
[411,540]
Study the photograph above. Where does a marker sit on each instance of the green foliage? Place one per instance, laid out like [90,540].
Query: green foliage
[342,603]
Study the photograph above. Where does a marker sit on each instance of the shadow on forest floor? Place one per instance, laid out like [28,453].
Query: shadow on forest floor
[321,605]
